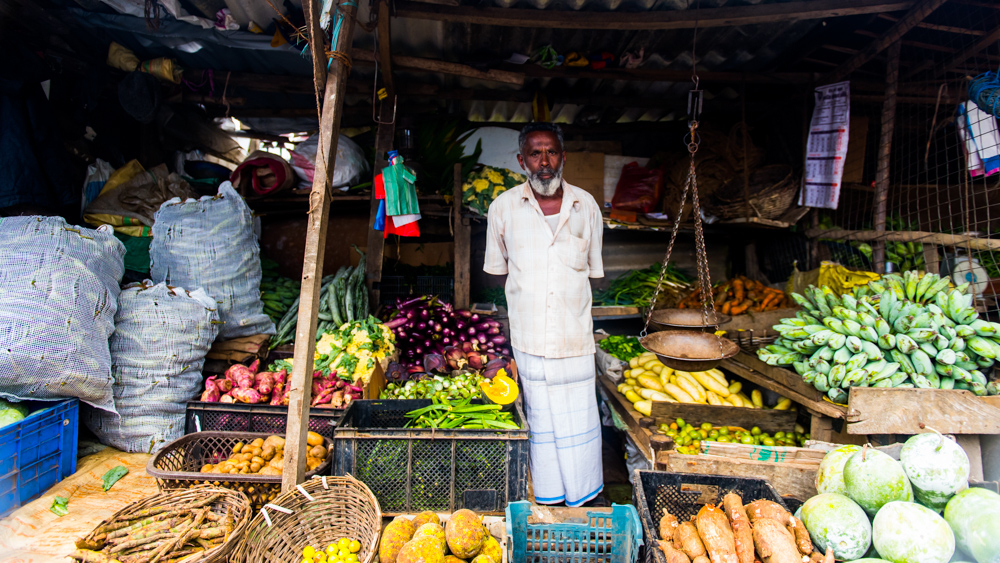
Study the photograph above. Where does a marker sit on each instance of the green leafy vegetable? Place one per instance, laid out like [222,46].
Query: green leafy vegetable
[622,347]
[59,506]
[113,476]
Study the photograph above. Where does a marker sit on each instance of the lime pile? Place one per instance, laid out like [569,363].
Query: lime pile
[688,438]
[344,550]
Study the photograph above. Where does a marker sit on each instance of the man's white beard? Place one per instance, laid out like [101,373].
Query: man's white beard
[546,187]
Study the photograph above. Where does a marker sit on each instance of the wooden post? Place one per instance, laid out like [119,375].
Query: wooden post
[384,137]
[463,236]
[884,153]
[300,393]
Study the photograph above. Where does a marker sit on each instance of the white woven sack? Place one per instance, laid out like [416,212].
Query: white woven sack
[161,337]
[209,243]
[58,297]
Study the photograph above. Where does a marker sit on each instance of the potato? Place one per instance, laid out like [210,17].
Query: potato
[268,453]
[314,439]
[256,459]
[207,468]
[277,463]
[224,467]
[246,456]
[242,465]
[312,463]
[238,447]
[244,471]
[257,443]
[255,467]
[256,450]
[276,442]
[318,451]
[233,471]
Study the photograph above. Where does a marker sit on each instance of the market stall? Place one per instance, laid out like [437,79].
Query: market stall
[261,297]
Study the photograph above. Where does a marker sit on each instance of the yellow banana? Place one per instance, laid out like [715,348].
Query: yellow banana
[710,383]
[783,404]
[650,383]
[713,399]
[644,407]
[717,373]
[679,394]
[692,387]
[654,395]
[757,398]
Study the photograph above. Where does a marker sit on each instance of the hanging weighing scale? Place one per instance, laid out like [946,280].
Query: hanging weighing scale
[698,348]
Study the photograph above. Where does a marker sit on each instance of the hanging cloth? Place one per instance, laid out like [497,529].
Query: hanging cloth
[980,139]
[403,225]
[400,193]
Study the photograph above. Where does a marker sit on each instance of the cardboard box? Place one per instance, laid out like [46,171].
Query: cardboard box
[586,170]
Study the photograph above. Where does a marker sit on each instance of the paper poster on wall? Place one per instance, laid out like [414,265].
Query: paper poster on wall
[826,148]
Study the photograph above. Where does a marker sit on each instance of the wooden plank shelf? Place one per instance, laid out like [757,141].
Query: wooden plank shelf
[902,411]
[784,382]
[796,480]
[629,415]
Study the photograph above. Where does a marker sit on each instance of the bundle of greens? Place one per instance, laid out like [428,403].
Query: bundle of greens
[635,288]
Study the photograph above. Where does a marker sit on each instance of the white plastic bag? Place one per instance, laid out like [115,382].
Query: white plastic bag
[349,168]
[158,349]
[209,243]
[58,297]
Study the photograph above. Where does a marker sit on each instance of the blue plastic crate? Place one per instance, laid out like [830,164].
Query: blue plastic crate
[612,537]
[37,452]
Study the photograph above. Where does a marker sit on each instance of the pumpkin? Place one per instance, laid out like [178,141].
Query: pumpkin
[501,390]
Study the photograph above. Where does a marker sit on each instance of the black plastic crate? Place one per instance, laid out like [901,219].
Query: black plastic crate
[240,417]
[415,469]
[683,495]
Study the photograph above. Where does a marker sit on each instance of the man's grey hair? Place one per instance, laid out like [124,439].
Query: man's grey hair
[535,127]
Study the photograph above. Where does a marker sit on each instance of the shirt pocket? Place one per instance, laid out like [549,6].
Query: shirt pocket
[576,253]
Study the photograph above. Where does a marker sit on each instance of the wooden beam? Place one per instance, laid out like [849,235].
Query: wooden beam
[444,67]
[317,39]
[936,27]
[942,239]
[648,20]
[384,46]
[884,152]
[958,59]
[661,75]
[901,411]
[909,43]
[384,137]
[463,244]
[293,471]
[916,15]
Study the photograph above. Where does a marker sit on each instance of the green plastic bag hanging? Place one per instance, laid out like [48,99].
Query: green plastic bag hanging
[400,193]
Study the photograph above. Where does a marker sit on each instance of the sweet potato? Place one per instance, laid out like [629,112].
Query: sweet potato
[246,395]
[211,393]
[742,533]
[774,542]
[713,527]
[668,523]
[242,376]
[686,539]
[767,509]
[264,382]
[701,559]
[801,534]
[673,555]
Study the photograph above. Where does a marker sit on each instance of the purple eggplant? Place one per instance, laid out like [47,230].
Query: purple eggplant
[499,340]
[493,330]
[481,338]
[463,313]
[491,369]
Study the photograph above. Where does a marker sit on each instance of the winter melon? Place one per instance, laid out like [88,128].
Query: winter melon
[830,477]
[837,521]
[974,516]
[937,468]
[906,532]
[873,479]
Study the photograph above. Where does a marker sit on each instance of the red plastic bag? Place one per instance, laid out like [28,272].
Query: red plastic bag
[639,189]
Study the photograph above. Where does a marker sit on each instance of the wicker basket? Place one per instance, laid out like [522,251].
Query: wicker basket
[772,190]
[178,464]
[341,507]
[232,502]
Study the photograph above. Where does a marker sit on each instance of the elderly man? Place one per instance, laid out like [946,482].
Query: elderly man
[545,237]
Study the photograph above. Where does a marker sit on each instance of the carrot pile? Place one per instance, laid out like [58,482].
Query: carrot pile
[740,295]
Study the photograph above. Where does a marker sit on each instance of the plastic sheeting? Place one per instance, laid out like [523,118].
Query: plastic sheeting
[210,243]
[58,299]
[158,349]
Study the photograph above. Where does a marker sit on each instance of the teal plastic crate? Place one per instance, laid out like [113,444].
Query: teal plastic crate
[37,452]
[613,537]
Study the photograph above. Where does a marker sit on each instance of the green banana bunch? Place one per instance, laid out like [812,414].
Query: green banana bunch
[904,330]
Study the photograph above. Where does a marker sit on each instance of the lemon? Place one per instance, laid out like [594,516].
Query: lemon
[320,557]
[352,558]
[308,551]
[332,549]
[355,546]
[343,553]
[307,560]
[344,543]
